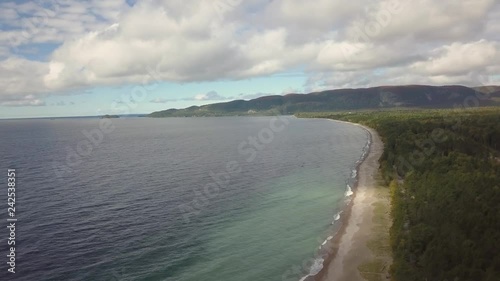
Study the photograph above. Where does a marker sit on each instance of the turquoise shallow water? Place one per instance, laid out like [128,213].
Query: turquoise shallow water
[119,214]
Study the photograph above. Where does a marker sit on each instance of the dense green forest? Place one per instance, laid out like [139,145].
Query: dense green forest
[443,170]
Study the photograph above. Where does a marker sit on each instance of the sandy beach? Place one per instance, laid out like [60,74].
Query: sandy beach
[351,250]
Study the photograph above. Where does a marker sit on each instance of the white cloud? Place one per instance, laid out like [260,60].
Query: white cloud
[348,56]
[460,58]
[212,95]
[21,76]
[422,19]
[337,43]
[187,49]
[308,20]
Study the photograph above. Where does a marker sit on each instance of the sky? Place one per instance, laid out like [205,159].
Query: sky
[94,57]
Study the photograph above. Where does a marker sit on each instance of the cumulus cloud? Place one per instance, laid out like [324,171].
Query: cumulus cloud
[336,43]
[348,56]
[149,38]
[460,58]
[420,20]
[20,76]
[212,95]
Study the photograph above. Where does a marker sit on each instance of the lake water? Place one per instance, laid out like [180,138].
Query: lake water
[184,199]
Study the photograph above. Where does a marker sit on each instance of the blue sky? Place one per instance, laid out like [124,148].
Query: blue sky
[74,58]
[101,100]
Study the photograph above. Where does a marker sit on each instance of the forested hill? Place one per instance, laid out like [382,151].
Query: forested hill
[411,96]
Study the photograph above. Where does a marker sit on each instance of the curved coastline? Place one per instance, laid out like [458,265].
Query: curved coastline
[343,251]
[349,248]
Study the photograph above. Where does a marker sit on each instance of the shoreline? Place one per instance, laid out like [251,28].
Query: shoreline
[348,250]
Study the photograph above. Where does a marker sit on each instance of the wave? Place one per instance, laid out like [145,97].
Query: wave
[353,180]
[337,216]
[315,268]
[348,191]
[354,173]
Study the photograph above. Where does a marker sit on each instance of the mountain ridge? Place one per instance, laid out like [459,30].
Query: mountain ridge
[380,97]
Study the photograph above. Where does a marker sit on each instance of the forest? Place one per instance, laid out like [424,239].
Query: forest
[443,170]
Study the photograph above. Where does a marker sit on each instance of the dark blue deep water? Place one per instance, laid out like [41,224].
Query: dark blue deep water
[184,199]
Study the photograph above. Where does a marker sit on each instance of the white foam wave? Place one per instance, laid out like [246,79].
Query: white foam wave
[354,173]
[337,216]
[348,192]
[317,266]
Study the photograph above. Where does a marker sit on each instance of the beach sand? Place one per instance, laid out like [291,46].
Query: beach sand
[351,250]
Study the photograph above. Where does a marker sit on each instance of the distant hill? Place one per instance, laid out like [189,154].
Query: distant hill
[492,92]
[488,89]
[410,96]
[107,116]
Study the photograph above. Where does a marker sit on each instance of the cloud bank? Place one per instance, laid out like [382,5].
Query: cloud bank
[335,43]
